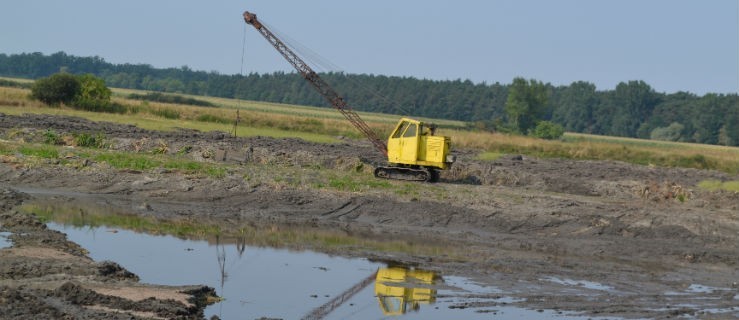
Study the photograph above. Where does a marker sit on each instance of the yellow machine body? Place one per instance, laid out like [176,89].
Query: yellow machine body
[400,290]
[414,144]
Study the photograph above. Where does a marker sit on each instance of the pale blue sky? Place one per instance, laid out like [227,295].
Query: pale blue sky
[673,45]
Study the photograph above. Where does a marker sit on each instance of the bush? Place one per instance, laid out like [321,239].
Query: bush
[211,118]
[15,84]
[166,113]
[548,130]
[89,141]
[170,98]
[99,106]
[669,133]
[84,92]
[51,137]
[55,89]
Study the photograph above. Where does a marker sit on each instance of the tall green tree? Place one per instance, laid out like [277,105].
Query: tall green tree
[575,107]
[526,104]
[634,102]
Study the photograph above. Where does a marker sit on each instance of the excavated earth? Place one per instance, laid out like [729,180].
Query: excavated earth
[601,238]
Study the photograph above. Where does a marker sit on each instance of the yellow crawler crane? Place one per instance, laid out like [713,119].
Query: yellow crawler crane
[413,150]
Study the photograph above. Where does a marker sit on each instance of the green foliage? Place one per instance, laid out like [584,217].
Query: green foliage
[15,84]
[96,218]
[713,185]
[46,152]
[56,89]
[526,104]
[51,137]
[101,106]
[128,161]
[489,156]
[84,92]
[212,118]
[165,113]
[89,141]
[548,130]
[92,88]
[673,132]
[632,109]
[170,98]
[356,183]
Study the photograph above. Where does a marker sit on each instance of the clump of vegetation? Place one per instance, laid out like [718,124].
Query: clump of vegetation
[166,113]
[526,104]
[665,191]
[161,148]
[669,133]
[170,98]
[90,141]
[14,84]
[83,92]
[212,118]
[46,152]
[489,156]
[51,137]
[548,130]
[56,89]
[713,185]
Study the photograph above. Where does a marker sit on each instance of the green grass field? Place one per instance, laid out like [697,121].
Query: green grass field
[326,125]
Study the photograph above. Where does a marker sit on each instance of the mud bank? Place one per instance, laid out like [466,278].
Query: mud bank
[44,276]
[529,227]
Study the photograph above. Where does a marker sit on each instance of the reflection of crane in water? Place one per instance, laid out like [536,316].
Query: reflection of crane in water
[328,307]
[398,290]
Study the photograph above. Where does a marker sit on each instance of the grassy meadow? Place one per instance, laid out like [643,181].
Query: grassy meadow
[326,125]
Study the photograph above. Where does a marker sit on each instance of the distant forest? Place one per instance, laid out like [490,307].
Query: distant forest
[632,109]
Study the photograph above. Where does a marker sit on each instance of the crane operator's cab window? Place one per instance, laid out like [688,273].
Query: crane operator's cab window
[410,132]
[401,129]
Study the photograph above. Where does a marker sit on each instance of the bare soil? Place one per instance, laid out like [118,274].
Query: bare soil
[541,230]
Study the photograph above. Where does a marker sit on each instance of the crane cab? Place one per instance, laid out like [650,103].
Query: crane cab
[413,143]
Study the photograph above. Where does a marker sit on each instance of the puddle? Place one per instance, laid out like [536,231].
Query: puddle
[260,282]
[4,241]
[699,288]
[580,283]
[256,280]
[278,283]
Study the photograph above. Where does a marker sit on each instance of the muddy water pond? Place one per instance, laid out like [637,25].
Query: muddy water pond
[257,282]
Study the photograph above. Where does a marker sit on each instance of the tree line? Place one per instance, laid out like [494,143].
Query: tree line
[632,109]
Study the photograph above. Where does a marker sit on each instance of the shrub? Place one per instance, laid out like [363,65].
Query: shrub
[55,89]
[669,133]
[15,84]
[92,88]
[84,92]
[548,130]
[89,141]
[170,98]
[51,137]
[211,118]
[166,113]
[99,106]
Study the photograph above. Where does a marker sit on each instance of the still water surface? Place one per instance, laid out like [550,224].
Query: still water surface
[260,282]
